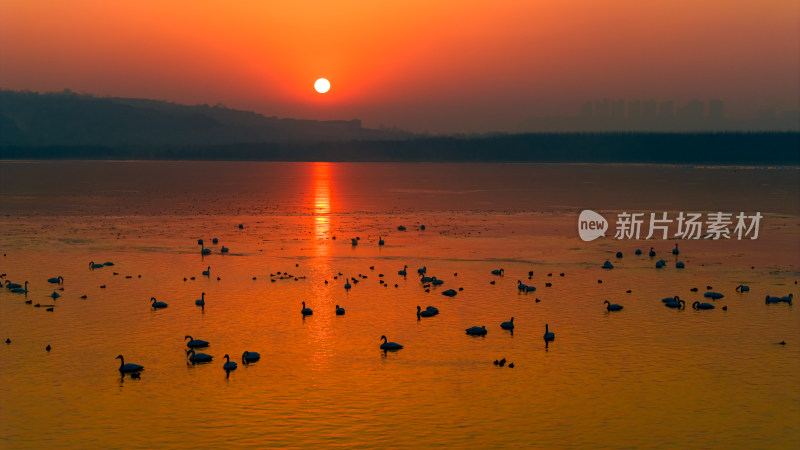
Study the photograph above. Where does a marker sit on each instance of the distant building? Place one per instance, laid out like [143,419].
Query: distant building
[715,110]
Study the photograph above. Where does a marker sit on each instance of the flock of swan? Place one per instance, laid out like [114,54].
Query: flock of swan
[196,357]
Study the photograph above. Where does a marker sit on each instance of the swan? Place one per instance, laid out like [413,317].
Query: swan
[607,265]
[425,279]
[432,309]
[199,242]
[201,301]
[20,290]
[390,345]
[530,288]
[771,299]
[619,254]
[548,335]
[742,288]
[787,298]
[612,306]
[437,282]
[660,263]
[58,279]
[347,285]
[157,304]
[339,311]
[652,253]
[128,368]
[477,331]
[380,240]
[403,272]
[426,313]
[680,265]
[215,241]
[521,287]
[401,228]
[422,269]
[449,293]
[698,305]
[508,325]
[713,295]
[675,304]
[198,357]
[207,272]
[250,357]
[675,250]
[306,311]
[638,251]
[55,295]
[92,265]
[195,343]
[354,241]
[229,365]
[10,285]
[203,250]
[500,272]
[224,250]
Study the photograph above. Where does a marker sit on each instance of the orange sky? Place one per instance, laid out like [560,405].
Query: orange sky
[442,66]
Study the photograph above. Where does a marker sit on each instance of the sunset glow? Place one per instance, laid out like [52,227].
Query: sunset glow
[412,64]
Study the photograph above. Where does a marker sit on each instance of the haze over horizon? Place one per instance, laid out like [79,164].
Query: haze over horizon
[413,65]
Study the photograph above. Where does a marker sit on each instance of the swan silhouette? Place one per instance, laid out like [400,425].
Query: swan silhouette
[195,358]
[390,345]
[157,304]
[422,269]
[638,251]
[195,343]
[250,357]
[214,241]
[619,254]
[224,250]
[203,250]
[436,281]
[432,309]
[201,301]
[680,304]
[607,265]
[403,272]
[477,331]
[675,250]
[229,365]
[698,305]
[500,272]
[449,293]
[339,311]
[742,288]
[10,285]
[347,285]
[652,253]
[425,279]
[612,306]
[660,263]
[508,325]
[128,368]
[306,311]
[207,272]
[92,265]
[713,295]
[380,240]
[548,335]
[521,286]
[680,265]
[20,290]
[426,313]
[58,279]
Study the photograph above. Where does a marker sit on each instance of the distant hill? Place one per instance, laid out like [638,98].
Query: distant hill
[71,126]
[69,119]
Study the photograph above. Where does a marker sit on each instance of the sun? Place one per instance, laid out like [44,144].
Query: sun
[322,85]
